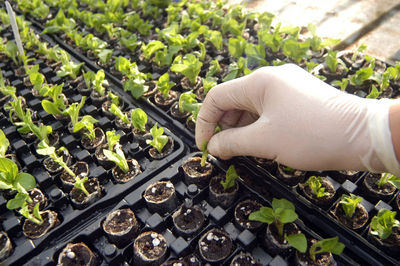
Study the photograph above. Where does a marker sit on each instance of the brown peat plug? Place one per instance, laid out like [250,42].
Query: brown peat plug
[80,200]
[142,136]
[242,212]
[185,84]
[197,174]
[168,149]
[215,245]
[160,197]
[290,176]
[176,113]
[218,195]
[5,246]
[119,124]
[188,220]
[120,177]
[101,158]
[52,167]
[277,244]
[244,259]
[97,99]
[80,169]
[91,145]
[190,260]
[105,109]
[34,231]
[343,175]
[321,259]
[165,103]
[149,248]
[357,221]
[121,227]
[37,196]
[77,254]
[151,90]
[375,192]
[323,196]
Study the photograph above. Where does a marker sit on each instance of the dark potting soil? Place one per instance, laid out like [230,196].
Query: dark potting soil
[242,212]
[324,258]
[76,254]
[134,170]
[189,218]
[99,137]
[216,186]
[371,180]
[34,230]
[215,245]
[161,101]
[121,221]
[78,168]
[394,238]
[159,191]
[79,196]
[37,197]
[151,244]
[53,166]
[186,85]
[193,168]
[120,124]
[328,189]
[244,259]
[164,152]
[175,112]
[359,218]
[288,229]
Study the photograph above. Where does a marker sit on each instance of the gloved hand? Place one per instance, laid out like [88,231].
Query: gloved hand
[286,114]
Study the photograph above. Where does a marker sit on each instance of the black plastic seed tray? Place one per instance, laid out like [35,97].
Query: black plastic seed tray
[72,220]
[322,216]
[182,246]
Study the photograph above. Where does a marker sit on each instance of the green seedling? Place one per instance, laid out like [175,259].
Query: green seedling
[164,85]
[114,98]
[331,61]
[349,204]
[4,144]
[295,50]
[316,42]
[383,223]
[315,183]
[281,213]
[35,216]
[99,82]
[159,139]
[230,178]
[56,106]
[331,245]
[118,157]
[139,119]
[80,184]
[112,139]
[46,150]
[189,66]
[204,150]
[151,48]
[388,178]
[87,123]
[114,109]
[73,111]
[341,84]
[236,47]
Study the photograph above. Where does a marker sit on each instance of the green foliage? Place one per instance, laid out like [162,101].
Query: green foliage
[136,87]
[59,24]
[45,149]
[68,68]
[316,42]
[374,93]
[314,182]
[151,48]
[230,178]
[213,69]
[188,103]
[208,84]
[73,111]
[295,50]
[271,40]
[331,61]
[36,8]
[341,84]
[114,109]
[382,224]
[349,204]
[139,119]
[387,177]
[99,82]
[80,184]
[236,47]
[4,143]
[361,76]
[189,66]
[164,85]
[215,38]
[87,123]
[35,217]
[56,106]
[281,213]
[159,139]
[114,98]
[129,41]
[255,55]
[331,245]
[10,178]
[112,139]
[298,241]
[118,157]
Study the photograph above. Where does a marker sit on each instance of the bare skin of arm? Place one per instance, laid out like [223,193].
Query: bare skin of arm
[394,121]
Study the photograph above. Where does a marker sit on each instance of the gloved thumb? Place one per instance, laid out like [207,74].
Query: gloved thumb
[237,141]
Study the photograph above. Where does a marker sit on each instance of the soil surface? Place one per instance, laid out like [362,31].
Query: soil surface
[216,186]
[323,258]
[189,218]
[165,102]
[386,189]
[91,144]
[164,152]
[358,220]
[215,245]
[122,220]
[193,168]
[34,230]
[176,113]
[91,186]
[159,191]
[76,254]
[242,212]
[322,200]
[134,170]
[244,259]
[80,169]
[150,245]
[185,83]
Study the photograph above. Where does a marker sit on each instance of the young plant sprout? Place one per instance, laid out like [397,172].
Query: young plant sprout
[281,213]
[342,84]
[87,123]
[99,82]
[314,182]
[331,245]
[332,61]
[73,111]
[114,109]
[189,66]
[4,143]
[230,178]
[56,106]
[383,223]
[218,129]
[164,85]
[114,98]
[388,178]
[35,216]
[151,48]
[349,204]
[118,157]
[112,139]
[139,119]
[159,139]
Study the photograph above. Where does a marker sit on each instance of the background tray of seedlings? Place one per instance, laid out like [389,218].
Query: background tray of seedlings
[362,207]
[52,123]
[174,219]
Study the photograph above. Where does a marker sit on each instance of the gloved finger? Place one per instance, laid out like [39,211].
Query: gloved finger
[247,140]
[247,118]
[231,95]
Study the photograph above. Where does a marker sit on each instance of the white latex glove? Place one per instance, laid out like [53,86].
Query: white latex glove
[286,114]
